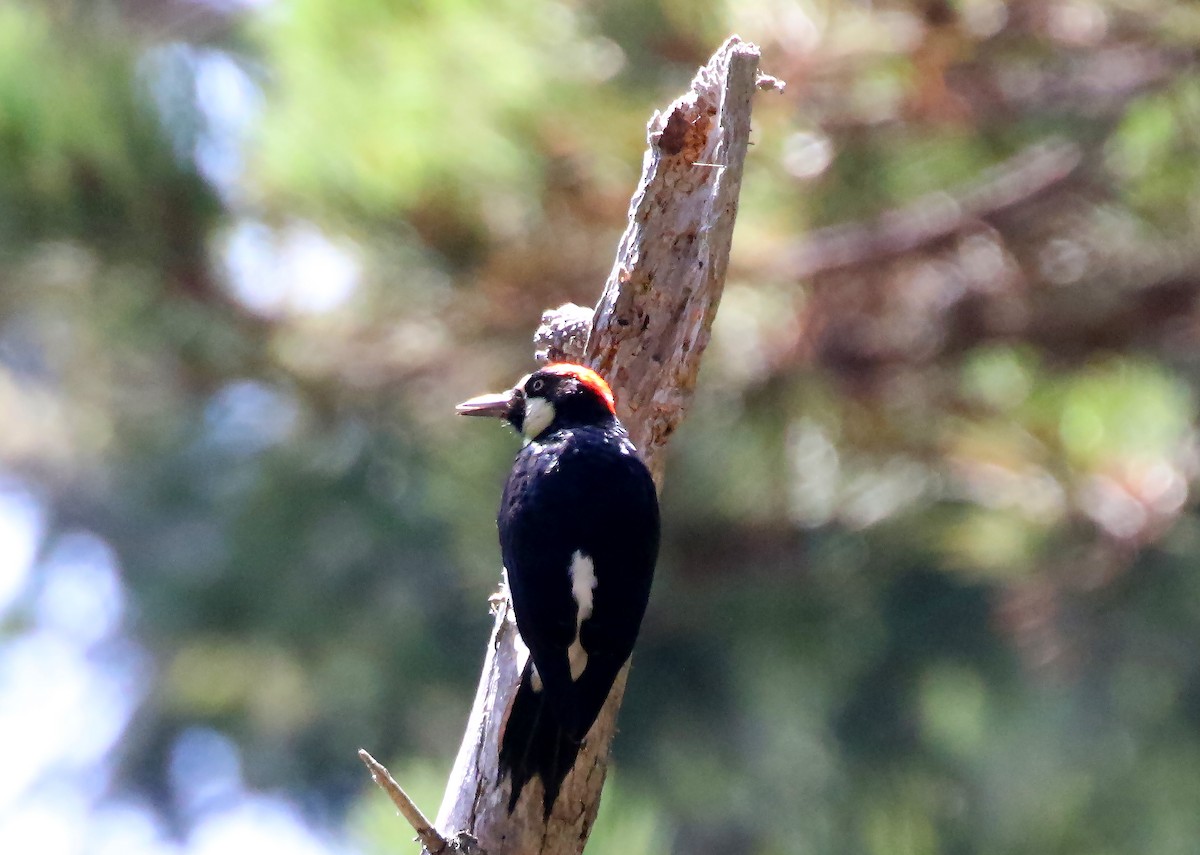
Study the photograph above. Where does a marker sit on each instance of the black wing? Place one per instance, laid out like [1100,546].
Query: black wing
[588,492]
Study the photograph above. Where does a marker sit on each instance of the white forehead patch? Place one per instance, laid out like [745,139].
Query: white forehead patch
[539,414]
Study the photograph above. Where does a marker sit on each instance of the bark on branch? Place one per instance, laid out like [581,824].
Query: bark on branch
[647,335]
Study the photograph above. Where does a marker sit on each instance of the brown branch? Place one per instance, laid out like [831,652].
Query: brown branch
[433,842]
[647,336]
[936,216]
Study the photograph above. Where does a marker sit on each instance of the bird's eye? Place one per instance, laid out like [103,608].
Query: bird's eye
[537,385]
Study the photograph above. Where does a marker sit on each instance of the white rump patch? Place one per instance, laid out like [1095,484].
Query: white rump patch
[583,584]
[577,659]
[522,651]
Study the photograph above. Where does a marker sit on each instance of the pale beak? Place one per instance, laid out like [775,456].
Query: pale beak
[498,405]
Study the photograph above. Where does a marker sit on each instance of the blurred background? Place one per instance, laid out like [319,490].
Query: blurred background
[930,576]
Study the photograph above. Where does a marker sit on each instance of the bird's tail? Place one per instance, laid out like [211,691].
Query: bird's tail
[535,743]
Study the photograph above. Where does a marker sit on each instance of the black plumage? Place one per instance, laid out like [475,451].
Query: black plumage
[578,494]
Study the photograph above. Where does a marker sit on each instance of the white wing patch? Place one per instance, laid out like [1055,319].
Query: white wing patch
[583,584]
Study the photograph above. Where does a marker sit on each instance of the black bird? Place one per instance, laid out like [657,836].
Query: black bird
[579,536]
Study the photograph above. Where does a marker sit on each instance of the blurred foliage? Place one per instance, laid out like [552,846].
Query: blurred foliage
[929,574]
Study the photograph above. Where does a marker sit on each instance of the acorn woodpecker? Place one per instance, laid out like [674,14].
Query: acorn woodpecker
[579,535]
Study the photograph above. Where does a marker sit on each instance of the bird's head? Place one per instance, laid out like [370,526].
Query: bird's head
[556,396]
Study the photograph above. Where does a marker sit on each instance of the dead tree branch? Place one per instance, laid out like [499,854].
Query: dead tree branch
[433,842]
[647,336]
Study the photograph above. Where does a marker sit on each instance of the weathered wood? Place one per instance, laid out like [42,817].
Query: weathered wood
[433,842]
[655,316]
[647,336]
